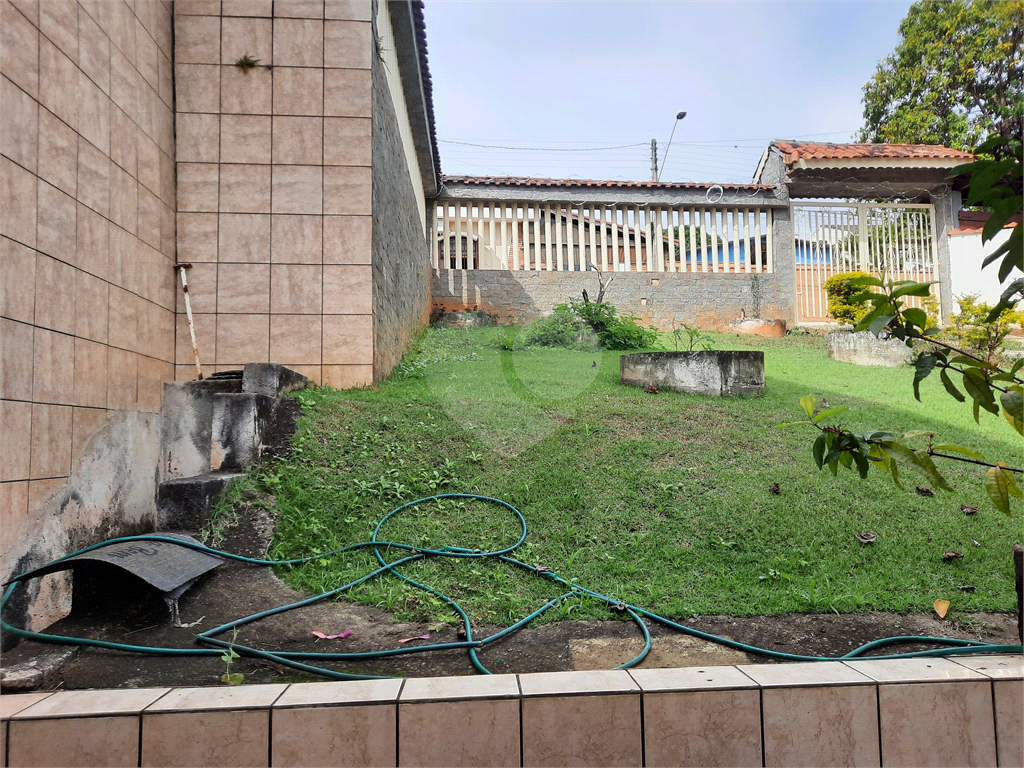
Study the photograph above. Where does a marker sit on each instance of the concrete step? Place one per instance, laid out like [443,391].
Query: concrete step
[186,503]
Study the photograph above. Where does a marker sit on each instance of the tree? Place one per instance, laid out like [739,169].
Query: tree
[955,78]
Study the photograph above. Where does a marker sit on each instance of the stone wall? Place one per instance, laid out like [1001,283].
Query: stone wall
[708,300]
[87,241]
[401,282]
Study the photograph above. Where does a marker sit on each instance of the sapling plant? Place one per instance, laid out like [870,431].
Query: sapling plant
[229,655]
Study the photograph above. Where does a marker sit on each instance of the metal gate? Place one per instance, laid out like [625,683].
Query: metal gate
[830,238]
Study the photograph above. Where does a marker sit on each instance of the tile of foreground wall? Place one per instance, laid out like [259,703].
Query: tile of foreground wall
[80,728]
[459,721]
[86,242]
[1007,675]
[9,706]
[817,713]
[708,300]
[954,700]
[274,178]
[581,718]
[700,717]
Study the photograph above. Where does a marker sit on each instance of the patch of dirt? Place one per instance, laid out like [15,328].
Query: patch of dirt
[236,590]
[277,434]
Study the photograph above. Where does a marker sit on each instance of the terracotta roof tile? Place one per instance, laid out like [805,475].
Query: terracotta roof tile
[534,181]
[804,150]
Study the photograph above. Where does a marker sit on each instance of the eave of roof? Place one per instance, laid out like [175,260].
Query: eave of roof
[532,181]
[815,154]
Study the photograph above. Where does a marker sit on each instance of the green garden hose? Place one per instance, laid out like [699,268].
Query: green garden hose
[295,659]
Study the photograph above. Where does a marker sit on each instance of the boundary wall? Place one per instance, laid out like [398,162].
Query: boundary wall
[905,712]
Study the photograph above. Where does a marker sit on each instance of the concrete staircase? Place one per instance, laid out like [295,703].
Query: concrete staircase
[212,433]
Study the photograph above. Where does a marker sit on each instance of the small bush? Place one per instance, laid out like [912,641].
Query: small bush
[614,331]
[574,326]
[840,292]
[970,332]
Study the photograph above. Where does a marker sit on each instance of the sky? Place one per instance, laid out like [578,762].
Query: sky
[553,78]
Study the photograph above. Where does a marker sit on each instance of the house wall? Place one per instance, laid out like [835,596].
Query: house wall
[401,274]
[966,254]
[86,288]
[274,185]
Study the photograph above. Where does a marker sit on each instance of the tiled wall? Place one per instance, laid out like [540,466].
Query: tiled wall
[86,237]
[274,185]
[939,712]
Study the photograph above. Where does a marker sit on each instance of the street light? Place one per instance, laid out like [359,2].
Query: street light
[664,160]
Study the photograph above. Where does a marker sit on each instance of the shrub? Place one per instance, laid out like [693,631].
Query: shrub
[840,293]
[971,332]
[574,325]
[614,331]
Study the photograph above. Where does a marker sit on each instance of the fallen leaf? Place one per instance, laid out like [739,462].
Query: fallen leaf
[651,389]
[951,555]
[774,488]
[341,636]
[925,491]
[418,637]
[968,510]
[865,538]
[942,608]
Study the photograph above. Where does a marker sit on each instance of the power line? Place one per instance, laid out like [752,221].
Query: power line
[542,149]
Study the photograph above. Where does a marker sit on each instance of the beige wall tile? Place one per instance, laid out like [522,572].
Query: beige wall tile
[123,141]
[58,83]
[346,376]
[1008,695]
[53,373]
[19,49]
[58,153]
[202,288]
[347,92]
[243,288]
[124,267]
[152,375]
[335,736]
[296,289]
[149,218]
[123,319]
[959,718]
[306,9]
[348,340]
[15,434]
[17,281]
[703,728]
[348,190]
[299,42]
[93,113]
[247,91]
[197,87]
[55,287]
[347,44]
[92,253]
[477,732]
[298,189]
[347,141]
[90,374]
[261,8]
[349,10]
[162,744]
[298,91]
[198,137]
[197,7]
[296,239]
[244,237]
[206,339]
[582,730]
[197,187]
[86,422]
[19,139]
[14,499]
[299,140]
[151,163]
[295,340]
[58,20]
[85,741]
[245,139]
[124,80]
[197,39]
[18,213]
[51,441]
[122,29]
[90,307]
[55,232]
[243,339]
[93,178]
[124,200]
[311,372]
[245,188]
[827,725]
[348,289]
[122,379]
[16,356]
[94,51]
[348,239]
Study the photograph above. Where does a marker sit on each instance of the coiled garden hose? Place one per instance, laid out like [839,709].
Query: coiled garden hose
[296,659]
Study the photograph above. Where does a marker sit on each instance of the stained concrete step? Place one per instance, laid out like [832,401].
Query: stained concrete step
[186,503]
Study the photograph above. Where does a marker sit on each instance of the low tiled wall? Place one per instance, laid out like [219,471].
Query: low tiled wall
[957,712]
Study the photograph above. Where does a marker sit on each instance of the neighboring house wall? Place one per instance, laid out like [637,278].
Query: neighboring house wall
[401,273]
[86,287]
[966,254]
[274,180]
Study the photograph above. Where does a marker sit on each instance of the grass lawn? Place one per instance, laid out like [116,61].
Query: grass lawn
[660,500]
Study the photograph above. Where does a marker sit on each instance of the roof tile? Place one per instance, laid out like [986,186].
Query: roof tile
[805,150]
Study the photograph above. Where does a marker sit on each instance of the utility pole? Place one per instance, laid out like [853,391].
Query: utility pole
[654,159]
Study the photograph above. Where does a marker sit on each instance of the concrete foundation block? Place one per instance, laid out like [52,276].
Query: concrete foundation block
[271,379]
[862,348]
[187,416]
[712,372]
[237,429]
[186,503]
